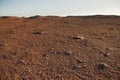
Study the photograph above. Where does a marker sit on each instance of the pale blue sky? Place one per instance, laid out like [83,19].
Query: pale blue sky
[59,7]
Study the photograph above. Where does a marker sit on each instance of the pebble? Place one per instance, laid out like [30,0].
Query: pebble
[112,49]
[77,67]
[111,29]
[39,32]
[78,37]
[103,66]
[36,32]
[67,53]
[118,66]
[4,56]
[21,62]
[79,61]
[107,54]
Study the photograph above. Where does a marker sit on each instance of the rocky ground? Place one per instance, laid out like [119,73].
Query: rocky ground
[60,48]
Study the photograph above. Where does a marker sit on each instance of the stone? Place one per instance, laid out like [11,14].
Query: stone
[78,37]
[102,66]
[38,32]
[107,54]
[79,61]
[67,53]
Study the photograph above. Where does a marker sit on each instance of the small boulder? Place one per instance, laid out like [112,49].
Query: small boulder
[38,32]
[79,61]
[78,37]
[67,53]
[111,29]
[106,54]
[102,66]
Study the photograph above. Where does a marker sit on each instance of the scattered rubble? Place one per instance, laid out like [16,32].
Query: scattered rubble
[60,48]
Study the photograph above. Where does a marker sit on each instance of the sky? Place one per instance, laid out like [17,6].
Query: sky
[59,7]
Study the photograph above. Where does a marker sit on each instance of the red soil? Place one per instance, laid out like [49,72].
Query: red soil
[60,48]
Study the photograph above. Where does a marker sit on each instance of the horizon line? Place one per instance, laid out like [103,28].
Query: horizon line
[62,15]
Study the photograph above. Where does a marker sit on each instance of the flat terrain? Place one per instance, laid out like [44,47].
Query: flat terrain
[60,48]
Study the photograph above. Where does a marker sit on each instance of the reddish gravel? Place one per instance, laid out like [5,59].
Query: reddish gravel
[60,48]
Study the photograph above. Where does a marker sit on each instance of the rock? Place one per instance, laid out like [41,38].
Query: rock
[44,55]
[118,66]
[111,29]
[16,77]
[74,67]
[11,32]
[112,49]
[102,66]
[58,76]
[77,67]
[21,62]
[93,34]
[24,79]
[79,61]
[1,44]
[43,32]
[4,56]
[38,32]
[106,54]
[67,53]
[100,38]
[78,37]
[13,52]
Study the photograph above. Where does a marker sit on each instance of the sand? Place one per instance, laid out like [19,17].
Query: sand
[60,48]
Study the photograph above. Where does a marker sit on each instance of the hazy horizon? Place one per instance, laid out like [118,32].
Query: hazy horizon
[59,7]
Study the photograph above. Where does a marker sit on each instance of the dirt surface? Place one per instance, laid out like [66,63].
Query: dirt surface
[60,48]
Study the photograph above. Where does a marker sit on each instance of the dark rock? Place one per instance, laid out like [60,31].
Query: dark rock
[43,55]
[102,66]
[74,67]
[4,56]
[36,32]
[111,29]
[78,37]
[80,61]
[106,54]
[67,53]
